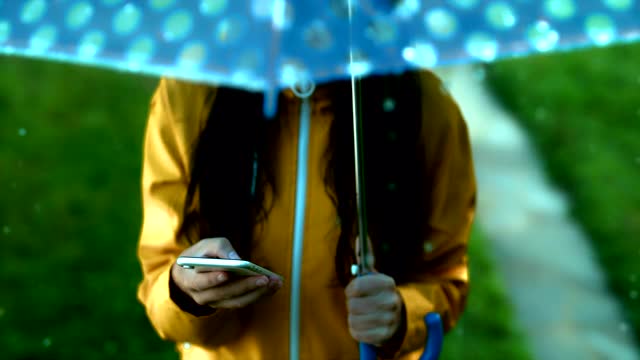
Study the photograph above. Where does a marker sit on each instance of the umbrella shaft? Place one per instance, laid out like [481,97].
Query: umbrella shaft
[298,230]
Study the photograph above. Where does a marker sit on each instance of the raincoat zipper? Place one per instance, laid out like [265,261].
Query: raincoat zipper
[298,229]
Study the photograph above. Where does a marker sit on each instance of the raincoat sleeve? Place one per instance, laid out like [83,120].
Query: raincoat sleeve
[443,284]
[175,120]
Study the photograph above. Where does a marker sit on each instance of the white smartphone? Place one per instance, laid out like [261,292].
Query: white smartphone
[240,267]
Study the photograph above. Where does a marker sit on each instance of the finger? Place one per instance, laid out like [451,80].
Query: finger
[382,302]
[201,281]
[231,289]
[243,300]
[218,248]
[376,337]
[366,322]
[369,285]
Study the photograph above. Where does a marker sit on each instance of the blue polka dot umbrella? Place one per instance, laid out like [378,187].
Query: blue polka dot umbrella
[270,45]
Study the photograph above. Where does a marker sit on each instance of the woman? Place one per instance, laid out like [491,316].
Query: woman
[200,199]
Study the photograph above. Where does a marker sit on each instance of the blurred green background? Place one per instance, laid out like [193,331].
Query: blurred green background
[70,154]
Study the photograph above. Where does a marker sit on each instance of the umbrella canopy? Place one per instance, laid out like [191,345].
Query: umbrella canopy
[264,45]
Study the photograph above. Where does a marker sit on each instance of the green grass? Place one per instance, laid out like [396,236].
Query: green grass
[582,110]
[70,150]
[486,330]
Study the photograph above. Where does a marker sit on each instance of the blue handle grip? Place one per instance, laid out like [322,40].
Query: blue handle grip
[433,346]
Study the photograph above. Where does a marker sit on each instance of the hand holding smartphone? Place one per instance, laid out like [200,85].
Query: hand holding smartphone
[239,267]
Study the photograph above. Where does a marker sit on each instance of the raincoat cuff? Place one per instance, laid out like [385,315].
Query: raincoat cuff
[416,308]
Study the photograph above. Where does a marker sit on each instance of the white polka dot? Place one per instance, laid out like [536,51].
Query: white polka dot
[177,25]
[560,9]
[542,36]
[33,11]
[464,4]
[127,19]
[43,38]
[212,7]
[230,30]
[5,30]
[422,54]
[140,51]
[482,46]
[161,4]
[600,29]
[192,55]
[91,44]
[501,15]
[441,23]
[619,5]
[79,15]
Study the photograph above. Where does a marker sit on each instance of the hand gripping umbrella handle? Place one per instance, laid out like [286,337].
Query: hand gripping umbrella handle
[433,347]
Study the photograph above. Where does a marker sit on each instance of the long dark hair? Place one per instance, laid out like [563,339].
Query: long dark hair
[219,200]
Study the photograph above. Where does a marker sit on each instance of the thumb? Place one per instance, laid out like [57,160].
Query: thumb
[219,248]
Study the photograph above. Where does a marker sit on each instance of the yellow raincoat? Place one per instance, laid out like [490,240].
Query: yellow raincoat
[178,112]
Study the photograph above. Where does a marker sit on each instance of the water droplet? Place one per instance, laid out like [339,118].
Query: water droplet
[192,55]
[624,327]
[186,345]
[212,7]
[177,25]
[619,4]
[79,15]
[406,9]
[91,44]
[441,23]
[501,15]
[43,38]
[46,342]
[465,4]
[428,247]
[422,54]
[560,9]
[22,131]
[600,28]
[229,30]
[33,11]
[111,2]
[291,72]
[359,65]
[140,52]
[6,230]
[542,36]
[127,19]
[381,31]
[161,4]
[389,104]
[482,46]
[633,294]
[281,15]
[317,36]
[5,31]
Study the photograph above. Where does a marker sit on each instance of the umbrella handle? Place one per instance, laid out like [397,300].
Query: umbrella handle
[432,348]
